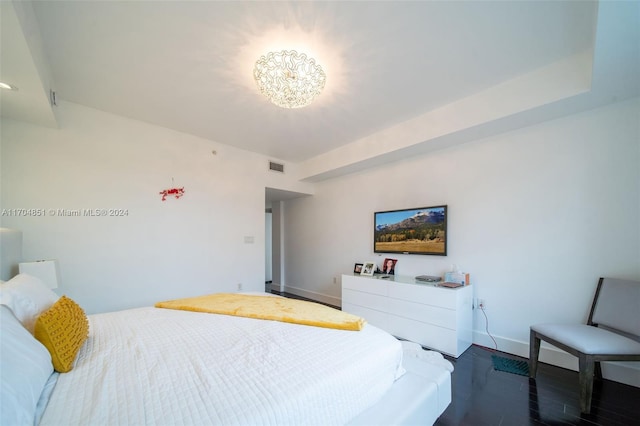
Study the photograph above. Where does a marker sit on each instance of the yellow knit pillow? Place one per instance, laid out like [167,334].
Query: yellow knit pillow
[62,329]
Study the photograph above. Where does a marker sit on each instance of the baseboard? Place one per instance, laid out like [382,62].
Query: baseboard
[331,300]
[622,372]
[276,287]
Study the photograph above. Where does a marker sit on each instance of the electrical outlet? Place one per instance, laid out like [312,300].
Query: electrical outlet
[239,286]
[482,304]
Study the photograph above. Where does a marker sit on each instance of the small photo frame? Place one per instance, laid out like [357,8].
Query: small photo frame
[368,268]
[357,268]
[389,266]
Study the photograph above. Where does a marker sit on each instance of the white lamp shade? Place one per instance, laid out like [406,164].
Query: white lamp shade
[45,270]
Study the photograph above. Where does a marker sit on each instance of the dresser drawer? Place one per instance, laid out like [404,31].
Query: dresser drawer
[425,294]
[373,317]
[445,318]
[373,301]
[429,335]
[364,284]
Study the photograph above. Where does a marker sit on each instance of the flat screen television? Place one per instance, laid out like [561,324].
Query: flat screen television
[411,231]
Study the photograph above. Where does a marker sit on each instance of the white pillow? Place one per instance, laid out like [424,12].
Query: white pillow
[27,297]
[26,367]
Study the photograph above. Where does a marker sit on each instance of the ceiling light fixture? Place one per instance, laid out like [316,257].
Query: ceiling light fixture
[289,79]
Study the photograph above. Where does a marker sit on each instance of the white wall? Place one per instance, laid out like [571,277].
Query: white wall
[268,246]
[10,252]
[176,248]
[277,246]
[535,216]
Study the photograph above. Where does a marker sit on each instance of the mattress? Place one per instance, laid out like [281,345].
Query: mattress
[160,366]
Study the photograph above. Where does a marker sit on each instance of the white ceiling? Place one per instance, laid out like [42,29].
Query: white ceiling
[187,65]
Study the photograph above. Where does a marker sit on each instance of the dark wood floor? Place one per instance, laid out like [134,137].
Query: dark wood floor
[484,396]
[295,296]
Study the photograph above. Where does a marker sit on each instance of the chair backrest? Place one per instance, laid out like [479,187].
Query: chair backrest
[617,306]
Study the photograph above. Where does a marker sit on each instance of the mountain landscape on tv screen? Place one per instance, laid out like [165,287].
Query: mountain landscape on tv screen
[422,233]
[431,217]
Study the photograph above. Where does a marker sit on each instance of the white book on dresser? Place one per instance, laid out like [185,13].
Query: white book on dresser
[436,317]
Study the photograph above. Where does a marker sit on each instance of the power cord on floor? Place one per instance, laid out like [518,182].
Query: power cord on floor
[486,319]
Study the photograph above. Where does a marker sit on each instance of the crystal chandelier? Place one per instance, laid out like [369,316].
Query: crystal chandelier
[289,79]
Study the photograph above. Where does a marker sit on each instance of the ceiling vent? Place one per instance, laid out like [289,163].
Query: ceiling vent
[276,167]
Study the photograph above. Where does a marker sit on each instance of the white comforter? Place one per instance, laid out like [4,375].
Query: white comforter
[160,366]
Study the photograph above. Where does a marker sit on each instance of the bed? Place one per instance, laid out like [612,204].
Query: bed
[155,366]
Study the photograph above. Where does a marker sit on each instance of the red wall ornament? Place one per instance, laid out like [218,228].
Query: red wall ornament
[176,192]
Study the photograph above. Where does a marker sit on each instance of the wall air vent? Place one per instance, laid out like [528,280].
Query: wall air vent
[276,167]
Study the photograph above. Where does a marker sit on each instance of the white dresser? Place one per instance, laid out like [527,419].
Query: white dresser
[436,317]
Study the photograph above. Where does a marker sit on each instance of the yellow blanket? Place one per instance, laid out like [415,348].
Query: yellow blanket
[270,308]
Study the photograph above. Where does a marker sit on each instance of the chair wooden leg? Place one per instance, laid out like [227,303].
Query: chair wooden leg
[586,366]
[598,370]
[534,350]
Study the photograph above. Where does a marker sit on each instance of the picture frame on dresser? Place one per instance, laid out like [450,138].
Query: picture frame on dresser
[368,268]
[389,266]
[357,268]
